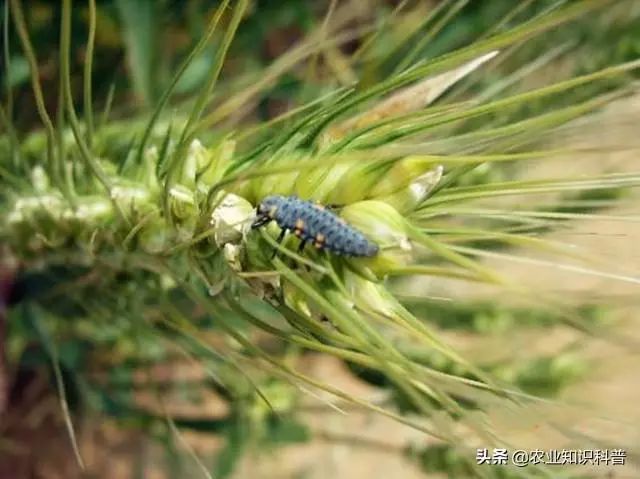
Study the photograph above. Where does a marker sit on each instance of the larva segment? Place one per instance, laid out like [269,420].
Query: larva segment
[312,222]
[319,241]
[299,229]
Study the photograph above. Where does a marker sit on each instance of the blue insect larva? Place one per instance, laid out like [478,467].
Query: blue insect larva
[314,223]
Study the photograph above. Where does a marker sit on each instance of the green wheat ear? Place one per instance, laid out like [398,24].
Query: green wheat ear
[425,154]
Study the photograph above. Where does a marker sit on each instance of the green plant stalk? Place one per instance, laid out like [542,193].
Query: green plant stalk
[190,129]
[6,50]
[456,58]
[202,43]
[21,27]
[65,44]
[432,33]
[88,69]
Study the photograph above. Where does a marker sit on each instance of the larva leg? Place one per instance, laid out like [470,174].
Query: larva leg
[301,247]
[334,206]
[279,240]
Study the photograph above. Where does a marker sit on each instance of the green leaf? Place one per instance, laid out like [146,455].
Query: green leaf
[235,446]
[139,21]
[19,72]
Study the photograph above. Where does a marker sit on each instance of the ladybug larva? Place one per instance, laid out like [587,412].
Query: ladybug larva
[313,223]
